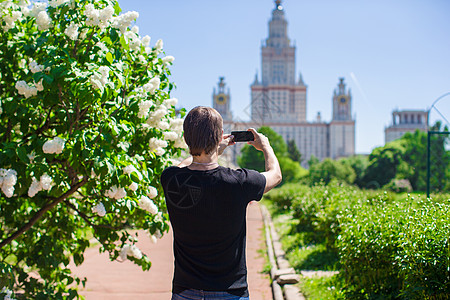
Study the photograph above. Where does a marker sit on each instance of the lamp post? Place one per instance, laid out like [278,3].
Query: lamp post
[429,139]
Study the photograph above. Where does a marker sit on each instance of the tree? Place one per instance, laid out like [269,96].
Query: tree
[86,127]
[254,159]
[293,151]
[328,169]
[359,165]
[384,163]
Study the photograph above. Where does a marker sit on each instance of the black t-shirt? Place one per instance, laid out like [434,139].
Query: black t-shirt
[207,210]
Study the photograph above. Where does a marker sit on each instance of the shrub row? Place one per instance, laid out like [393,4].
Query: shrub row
[389,246]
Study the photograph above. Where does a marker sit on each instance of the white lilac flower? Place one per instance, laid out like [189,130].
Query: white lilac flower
[159,45]
[146,41]
[135,29]
[46,182]
[168,59]
[159,151]
[170,136]
[144,107]
[152,85]
[22,63]
[133,186]
[153,239]
[135,252]
[124,252]
[99,209]
[163,125]
[37,8]
[83,33]
[24,89]
[152,192]
[148,205]
[8,179]
[155,143]
[133,40]
[180,143]
[123,21]
[8,293]
[39,86]
[35,67]
[56,3]
[72,31]
[130,169]
[34,188]
[116,193]
[10,19]
[105,14]
[92,15]
[55,145]
[43,21]
[170,102]
[130,250]
[31,156]
[176,125]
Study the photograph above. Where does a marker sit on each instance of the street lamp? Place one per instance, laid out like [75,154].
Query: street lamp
[429,139]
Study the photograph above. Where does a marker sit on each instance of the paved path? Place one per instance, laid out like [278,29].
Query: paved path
[114,280]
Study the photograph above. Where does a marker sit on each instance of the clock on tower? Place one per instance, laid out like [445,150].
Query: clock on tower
[221,99]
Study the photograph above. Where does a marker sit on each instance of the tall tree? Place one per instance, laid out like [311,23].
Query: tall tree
[87,126]
[293,151]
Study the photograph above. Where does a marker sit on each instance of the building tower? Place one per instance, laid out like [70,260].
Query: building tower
[278,97]
[342,126]
[221,101]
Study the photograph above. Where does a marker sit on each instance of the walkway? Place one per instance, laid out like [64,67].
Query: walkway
[114,280]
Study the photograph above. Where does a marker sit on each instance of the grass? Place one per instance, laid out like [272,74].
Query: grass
[321,288]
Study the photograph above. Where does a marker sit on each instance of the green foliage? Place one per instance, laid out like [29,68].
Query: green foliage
[253,159]
[328,169]
[84,119]
[384,162]
[359,165]
[388,246]
[293,151]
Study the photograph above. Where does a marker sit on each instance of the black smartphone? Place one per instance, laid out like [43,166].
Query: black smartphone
[243,136]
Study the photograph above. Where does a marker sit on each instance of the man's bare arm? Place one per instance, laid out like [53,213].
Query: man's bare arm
[273,171]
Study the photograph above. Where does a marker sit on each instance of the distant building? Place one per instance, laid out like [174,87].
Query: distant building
[404,121]
[278,100]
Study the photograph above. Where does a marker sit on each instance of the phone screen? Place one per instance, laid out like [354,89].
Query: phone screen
[243,136]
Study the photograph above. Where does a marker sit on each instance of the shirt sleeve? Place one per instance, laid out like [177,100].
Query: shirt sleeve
[253,184]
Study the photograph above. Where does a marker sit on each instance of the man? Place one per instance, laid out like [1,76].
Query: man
[207,209]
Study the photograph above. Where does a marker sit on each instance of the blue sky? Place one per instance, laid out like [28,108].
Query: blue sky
[393,54]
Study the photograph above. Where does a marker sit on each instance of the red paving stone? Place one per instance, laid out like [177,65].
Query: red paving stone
[115,280]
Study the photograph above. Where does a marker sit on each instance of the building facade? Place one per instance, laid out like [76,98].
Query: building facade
[279,100]
[404,121]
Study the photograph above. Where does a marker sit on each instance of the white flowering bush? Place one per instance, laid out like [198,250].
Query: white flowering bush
[87,125]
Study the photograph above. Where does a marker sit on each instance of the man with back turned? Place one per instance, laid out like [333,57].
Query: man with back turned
[207,209]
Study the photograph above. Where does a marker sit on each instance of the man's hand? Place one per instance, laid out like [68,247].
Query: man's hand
[260,142]
[227,140]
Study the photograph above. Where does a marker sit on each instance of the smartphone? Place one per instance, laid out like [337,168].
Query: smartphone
[243,136]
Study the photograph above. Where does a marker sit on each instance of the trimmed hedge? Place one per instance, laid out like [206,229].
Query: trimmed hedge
[389,246]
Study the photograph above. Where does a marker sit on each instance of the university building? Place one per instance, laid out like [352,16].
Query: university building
[279,99]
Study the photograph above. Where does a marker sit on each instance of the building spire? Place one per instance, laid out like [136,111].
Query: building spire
[278,5]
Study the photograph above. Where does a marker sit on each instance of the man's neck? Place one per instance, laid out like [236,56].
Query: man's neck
[204,161]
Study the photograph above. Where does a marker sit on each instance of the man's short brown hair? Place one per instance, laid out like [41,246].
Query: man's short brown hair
[202,130]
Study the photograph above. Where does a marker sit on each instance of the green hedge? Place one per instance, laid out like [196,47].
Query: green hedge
[389,246]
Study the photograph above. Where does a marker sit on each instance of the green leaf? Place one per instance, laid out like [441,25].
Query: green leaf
[22,154]
[109,57]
